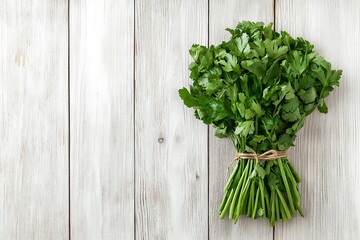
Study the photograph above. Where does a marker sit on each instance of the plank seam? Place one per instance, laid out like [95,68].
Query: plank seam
[274,13]
[208,139]
[134,123]
[69,104]
[274,20]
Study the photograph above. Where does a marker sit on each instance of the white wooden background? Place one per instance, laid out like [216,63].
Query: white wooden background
[96,144]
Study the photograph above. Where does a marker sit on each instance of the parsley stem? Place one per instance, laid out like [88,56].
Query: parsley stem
[223,202]
[256,203]
[262,191]
[297,177]
[272,202]
[242,179]
[231,177]
[283,175]
[283,213]
[282,201]
[267,202]
[222,215]
[244,191]
[251,199]
[277,208]
[296,193]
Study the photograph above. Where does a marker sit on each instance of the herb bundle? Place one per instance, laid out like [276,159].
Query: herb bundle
[257,89]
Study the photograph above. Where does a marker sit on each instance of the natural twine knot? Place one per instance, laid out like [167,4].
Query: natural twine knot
[268,155]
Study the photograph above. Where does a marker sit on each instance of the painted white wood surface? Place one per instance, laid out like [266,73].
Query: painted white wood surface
[327,150]
[33,120]
[102,123]
[141,166]
[171,163]
[221,151]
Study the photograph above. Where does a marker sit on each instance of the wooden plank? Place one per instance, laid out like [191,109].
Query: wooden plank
[221,150]
[327,150]
[102,129]
[171,145]
[33,120]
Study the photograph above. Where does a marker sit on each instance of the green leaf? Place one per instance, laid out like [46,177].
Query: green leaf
[242,44]
[260,171]
[260,212]
[256,107]
[242,97]
[306,81]
[298,125]
[211,86]
[221,131]
[259,138]
[291,105]
[308,95]
[335,77]
[326,91]
[259,47]
[287,92]
[322,107]
[268,167]
[241,108]
[273,181]
[249,114]
[309,107]
[273,49]
[291,116]
[245,128]
[254,66]
[228,64]
[297,62]
[196,50]
[232,92]
[285,141]
[188,99]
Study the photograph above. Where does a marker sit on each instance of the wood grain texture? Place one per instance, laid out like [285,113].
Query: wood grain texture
[171,145]
[102,129]
[141,166]
[221,151]
[327,151]
[33,120]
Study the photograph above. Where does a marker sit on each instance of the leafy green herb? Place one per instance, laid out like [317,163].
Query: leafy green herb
[257,89]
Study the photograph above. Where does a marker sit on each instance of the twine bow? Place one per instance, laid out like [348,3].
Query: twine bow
[268,155]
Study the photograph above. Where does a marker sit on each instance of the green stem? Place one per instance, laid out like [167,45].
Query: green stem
[272,202]
[231,177]
[277,207]
[267,202]
[297,177]
[262,191]
[295,192]
[256,203]
[282,201]
[244,192]
[233,202]
[223,202]
[251,199]
[282,171]
[223,213]
[283,213]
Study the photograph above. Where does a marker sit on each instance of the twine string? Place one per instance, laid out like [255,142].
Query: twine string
[268,155]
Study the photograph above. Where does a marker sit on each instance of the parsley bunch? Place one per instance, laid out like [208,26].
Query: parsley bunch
[257,89]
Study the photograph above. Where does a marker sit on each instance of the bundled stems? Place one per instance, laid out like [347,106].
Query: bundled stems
[262,189]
